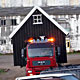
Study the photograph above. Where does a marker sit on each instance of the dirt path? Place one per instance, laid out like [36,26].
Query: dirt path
[73,58]
[6,62]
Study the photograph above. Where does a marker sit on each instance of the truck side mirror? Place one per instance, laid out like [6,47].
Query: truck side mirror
[24,57]
[22,53]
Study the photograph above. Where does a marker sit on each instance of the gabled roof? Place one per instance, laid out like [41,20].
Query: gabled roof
[45,14]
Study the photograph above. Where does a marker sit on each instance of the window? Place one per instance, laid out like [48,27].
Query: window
[37,19]
[77,28]
[13,22]
[3,22]
[41,52]
[65,25]
[2,42]
[68,44]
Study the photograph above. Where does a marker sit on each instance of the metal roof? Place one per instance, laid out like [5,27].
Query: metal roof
[44,76]
[56,10]
[14,11]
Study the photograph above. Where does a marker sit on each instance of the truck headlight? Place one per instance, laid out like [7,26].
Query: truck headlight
[29,71]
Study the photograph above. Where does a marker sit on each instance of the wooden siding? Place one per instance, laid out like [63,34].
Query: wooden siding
[35,30]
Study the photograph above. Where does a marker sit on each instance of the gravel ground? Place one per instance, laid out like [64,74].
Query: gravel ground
[6,62]
[73,59]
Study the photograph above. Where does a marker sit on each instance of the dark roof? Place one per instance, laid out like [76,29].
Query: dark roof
[56,10]
[11,11]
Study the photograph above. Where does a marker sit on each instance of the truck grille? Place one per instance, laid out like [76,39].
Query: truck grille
[39,63]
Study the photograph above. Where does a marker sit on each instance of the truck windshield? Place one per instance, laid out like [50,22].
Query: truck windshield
[40,52]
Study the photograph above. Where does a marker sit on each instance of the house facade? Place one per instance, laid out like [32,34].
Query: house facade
[38,23]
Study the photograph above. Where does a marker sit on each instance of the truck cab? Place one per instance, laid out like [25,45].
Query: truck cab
[40,56]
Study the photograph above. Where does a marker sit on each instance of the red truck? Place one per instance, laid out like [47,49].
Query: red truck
[40,55]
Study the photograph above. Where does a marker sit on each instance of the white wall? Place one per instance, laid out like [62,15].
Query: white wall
[75,41]
[57,2]
[25,3]
[79,24]
[0,31]
[34,2]
[0,3]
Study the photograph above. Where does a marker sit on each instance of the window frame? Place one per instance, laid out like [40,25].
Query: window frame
[3,22]
[38,19]
[13,22]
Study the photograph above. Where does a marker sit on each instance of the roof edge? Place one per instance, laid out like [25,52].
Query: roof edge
[53,21]
[45,14]
[22,22]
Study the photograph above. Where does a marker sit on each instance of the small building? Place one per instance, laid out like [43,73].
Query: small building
[67,16]
[38,23]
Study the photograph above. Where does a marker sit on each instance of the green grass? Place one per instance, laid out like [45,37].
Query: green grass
[6,54]
[1,54]
[2,71]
